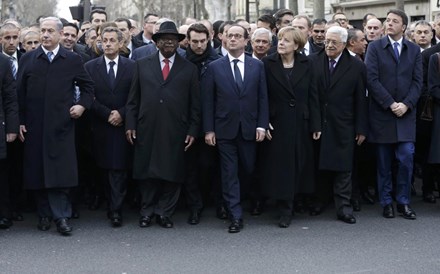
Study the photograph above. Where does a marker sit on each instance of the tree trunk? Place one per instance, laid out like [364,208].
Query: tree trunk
[400,5]
[318,9]
[293,5]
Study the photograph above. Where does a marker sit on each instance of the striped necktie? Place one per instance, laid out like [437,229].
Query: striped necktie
[13,67]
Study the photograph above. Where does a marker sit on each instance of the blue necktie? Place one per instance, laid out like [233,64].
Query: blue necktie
[237,74]
[50,56]
[14,69]
[332,66]
[111,74]
[396,50]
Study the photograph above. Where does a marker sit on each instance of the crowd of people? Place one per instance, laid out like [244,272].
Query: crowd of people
[303,113]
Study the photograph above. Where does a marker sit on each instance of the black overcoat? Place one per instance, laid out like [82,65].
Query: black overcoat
[434,91]
[287,161]
[110,147]
[162,112]
[343,103]
[46,93]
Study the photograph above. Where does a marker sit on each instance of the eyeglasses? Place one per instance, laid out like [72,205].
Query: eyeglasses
[328,42]
[318,31]
[234,35]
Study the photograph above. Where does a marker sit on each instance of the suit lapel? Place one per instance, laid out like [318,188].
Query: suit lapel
[229,75]
[299,69]
[175,68]
[277,71]
[102,70]
[341,68]
[121,70]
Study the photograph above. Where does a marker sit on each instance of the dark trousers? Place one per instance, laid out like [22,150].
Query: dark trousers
[158,197]
[285,208]
[210,173]
[341,182]
[115,184]
[403,153]
[53,203]
[234,154]
[191,185]
[5,209]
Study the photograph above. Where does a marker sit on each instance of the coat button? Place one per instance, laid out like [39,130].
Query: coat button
[161,101]
[292,103]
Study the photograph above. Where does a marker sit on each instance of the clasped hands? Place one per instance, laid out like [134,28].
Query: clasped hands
[115,119]
[399,109]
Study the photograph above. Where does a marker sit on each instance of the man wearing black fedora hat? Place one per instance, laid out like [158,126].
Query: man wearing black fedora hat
[162,118]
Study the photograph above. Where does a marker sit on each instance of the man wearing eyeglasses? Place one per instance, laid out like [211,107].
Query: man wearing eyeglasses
[343,122]
[235,116]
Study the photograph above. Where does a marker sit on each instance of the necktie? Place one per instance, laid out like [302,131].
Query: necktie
[50,56]
[237,74]
[396,50]
[166,69]
[13,67]
[332,66]
[111,74]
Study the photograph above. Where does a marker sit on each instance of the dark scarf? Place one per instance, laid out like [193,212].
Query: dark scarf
[198,60]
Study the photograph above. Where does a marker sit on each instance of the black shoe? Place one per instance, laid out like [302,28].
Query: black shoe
[221,213]
[284,221]
[388,211]
[347,218]
[144,221]
[315,210]
[116,219]
[406,211]
[63,226]
[164,221]
[356,205]
[5,223]
[367,198]
[17,216]
[429,198]
[235,226]
[44,223]
[257,208]
[194,217]
[299,207]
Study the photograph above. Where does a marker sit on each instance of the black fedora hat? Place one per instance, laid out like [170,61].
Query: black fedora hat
[168,27]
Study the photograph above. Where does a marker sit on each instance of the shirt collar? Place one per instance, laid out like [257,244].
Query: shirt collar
[13,55]
[54,51]
[240,58]
[161,58]
[398,41]
[108,60]
[337,58]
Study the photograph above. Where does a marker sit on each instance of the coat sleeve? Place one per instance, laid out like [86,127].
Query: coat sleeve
[378,92]
[85,84]
[22,87]
[195,105]
[208,97]
[263,103]
[314,106]
[361,103]
[433,78]
[416,84]
[10,101]
[133,101]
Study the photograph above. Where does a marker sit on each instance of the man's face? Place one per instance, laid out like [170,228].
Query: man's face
[394,26]
[235,39]
[123,27]
[318,33]
[49,35]
[437,28]
[183,30]
[261,44]
[373,30]
[85,27]
[198,42]
[31,42]
[342,19]
[359,44]
[246,25]
[261,24]
[423,35]
[302,25]
[98,19]
[91,38]
[10,40]
[69,38]
[333,45]
[285,21]
[149,24]
[167,44]
[111,45]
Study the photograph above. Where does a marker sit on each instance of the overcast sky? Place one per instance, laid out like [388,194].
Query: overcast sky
[63,8]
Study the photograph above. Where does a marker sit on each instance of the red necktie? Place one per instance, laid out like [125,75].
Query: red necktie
[166,69]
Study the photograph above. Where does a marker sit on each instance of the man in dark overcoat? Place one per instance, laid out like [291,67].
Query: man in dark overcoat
[8,133]
[343,105]
[162,119]
[46,80]
[112,75]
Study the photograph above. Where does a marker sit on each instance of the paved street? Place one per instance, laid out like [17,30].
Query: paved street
[310,245]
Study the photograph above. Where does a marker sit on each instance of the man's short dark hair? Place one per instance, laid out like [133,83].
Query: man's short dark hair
[115,30]
[280,13]
[121,19]
[364,19]
[224,24]
[352,34]
[319,21]
[99,11]
[401,14]
[246,33]
[197,27]
[148,15]
[267,18]
[68,24]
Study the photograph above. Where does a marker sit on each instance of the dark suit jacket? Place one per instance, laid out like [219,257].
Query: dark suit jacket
[225,108]
[81,51]
[9,122]
[151,49]
[46,92]
[391,80]
[110,147]
[344,109]
[163,113]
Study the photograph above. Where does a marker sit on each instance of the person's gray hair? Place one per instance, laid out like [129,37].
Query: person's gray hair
[342,32]
[259,31]
[57,20]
